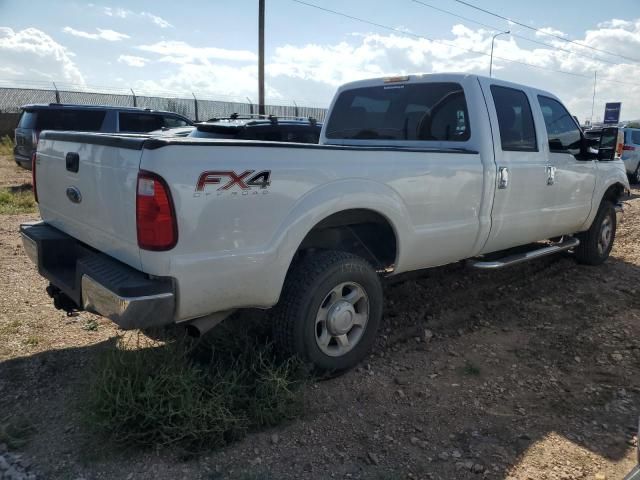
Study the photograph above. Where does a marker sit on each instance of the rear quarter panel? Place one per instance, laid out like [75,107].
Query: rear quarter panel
[235,246]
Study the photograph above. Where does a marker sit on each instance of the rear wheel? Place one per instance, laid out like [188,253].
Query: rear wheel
[597,242]
[330,310]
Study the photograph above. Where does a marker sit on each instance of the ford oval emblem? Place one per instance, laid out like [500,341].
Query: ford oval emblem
[73,194]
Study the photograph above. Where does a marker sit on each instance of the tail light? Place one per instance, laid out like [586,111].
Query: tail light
[155,214]
[629,147]
[33,176]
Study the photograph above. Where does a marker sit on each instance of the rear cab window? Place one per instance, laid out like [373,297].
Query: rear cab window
[515,119]
[635,137]
[434,111]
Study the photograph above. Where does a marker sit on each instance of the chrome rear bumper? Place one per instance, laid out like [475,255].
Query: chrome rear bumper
[96,282]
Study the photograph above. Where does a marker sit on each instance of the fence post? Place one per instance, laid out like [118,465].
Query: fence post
[57,92]
[195,104]
[135,100]
[296,108]
[250,105]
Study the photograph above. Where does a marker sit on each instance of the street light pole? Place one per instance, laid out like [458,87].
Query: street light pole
[261,57]
[493,40]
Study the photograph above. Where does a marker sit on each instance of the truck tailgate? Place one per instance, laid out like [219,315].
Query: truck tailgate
[86,187]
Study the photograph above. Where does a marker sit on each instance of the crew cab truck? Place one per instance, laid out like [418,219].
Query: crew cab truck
[411,172]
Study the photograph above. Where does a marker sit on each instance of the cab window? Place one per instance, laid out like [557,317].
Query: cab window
[420,111]
[564,135]
[517,130]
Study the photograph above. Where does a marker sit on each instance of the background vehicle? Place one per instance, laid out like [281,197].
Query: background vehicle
[85,118]
[411,172]
[276,129]
[631,153]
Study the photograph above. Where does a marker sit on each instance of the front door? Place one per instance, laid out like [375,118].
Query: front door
[571,177]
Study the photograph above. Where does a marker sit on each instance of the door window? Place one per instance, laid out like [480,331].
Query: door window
[171,122]
[89,120]
[635,136]
[564,135]
[139,122]
[517,130]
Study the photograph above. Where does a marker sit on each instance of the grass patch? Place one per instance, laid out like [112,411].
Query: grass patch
[32,341]
[6,146]
[17,200]
[90,325]
[192,395]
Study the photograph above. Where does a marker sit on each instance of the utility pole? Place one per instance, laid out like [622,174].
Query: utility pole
[261,57]
[493,40]
[593,101]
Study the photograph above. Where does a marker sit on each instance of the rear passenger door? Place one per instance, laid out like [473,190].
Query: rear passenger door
[571,178]
[521,208]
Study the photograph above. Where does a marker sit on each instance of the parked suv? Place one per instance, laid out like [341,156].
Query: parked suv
[631,153]
[85,118]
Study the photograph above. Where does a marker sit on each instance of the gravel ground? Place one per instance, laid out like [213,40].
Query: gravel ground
[528,373]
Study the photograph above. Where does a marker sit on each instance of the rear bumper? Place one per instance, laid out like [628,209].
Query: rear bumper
[98,283]
[22,160]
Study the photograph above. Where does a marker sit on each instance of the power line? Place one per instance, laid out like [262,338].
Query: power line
[415,35]
[568,40]
[512,34]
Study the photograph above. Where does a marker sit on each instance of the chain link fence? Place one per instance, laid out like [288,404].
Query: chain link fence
[11,99]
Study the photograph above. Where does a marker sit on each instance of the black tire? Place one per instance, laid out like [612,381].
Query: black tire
[307,288]
[634,178]
[593,250]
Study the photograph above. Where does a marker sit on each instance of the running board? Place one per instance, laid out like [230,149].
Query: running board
[509,260]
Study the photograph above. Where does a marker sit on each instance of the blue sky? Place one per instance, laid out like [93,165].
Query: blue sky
[210,47]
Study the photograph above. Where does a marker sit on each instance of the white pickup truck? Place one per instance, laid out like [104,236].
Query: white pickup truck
[411,172]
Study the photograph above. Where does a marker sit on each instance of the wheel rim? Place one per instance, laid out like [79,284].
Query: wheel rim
[342,319]
[604,238]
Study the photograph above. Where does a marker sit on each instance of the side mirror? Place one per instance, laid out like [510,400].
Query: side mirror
[608,145]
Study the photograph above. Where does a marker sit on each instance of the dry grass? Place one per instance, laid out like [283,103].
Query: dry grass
[17,200]
[191,396]
[6,146]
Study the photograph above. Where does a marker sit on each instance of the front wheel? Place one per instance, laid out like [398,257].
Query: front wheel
[597,242]
[634,178]
[329,311]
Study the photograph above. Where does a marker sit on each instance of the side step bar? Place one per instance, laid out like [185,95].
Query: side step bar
[507,261]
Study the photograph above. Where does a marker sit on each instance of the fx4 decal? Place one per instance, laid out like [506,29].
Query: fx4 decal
[227,179]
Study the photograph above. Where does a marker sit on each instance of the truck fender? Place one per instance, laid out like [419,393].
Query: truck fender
[331,198]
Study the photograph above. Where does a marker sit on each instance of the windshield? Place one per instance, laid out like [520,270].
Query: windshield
[425,111]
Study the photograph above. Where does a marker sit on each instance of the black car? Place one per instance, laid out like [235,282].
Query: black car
[85,118]
[271,128]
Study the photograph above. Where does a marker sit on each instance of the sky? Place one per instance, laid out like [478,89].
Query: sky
[210,47]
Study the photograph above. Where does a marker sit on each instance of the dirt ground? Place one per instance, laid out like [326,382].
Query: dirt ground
[528,373]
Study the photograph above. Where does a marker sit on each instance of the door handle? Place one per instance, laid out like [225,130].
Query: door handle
[551,174]
[503,177]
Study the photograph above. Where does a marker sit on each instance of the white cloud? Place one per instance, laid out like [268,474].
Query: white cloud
[126,13]
[546,31]
[133,61]
[174,51]
[35,51]
[159,21]
[116,12]
[103,34]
